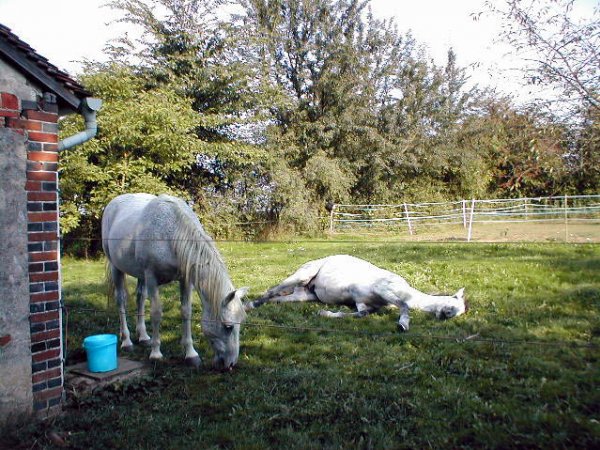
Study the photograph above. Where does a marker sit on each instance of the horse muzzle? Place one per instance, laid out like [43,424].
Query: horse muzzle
[223,365]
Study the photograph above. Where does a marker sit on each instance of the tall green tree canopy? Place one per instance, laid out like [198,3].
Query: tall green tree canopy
[561,47]
[364,101]
[146,139]
[168,100]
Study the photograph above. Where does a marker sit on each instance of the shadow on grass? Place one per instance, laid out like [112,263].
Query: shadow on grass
[89,312]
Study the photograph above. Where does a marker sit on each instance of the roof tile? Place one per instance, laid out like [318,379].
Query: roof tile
[53,71]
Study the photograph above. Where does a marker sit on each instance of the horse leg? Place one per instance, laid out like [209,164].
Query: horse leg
[191,356]
[140,328]
[362,310]
[290,286]
[404,318]
[299,294]
[400,301]
[275,295]
[121,297]
[155,314]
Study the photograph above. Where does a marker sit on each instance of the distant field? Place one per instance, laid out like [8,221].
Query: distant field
[542,219]
[520,369]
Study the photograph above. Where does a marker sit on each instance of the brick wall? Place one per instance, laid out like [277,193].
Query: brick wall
[39,126]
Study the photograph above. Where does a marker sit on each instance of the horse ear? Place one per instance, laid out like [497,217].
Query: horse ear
[228,298]
[460,294]
[239,293]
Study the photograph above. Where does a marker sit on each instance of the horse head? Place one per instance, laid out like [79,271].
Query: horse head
[454,305]
[223,329]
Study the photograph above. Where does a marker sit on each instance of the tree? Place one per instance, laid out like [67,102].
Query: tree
[308,49]
[524,154]
[174,102]
[563,51]
[422,125]
[584,156]
[146,138]
[184,46]
[337,66]
[562,47]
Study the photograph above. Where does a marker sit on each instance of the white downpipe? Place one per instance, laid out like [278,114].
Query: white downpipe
[88,108]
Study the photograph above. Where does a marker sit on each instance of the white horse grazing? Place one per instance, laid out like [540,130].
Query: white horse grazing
[158,240]
[350,281]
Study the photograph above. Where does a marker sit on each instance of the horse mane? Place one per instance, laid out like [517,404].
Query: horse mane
[200,263]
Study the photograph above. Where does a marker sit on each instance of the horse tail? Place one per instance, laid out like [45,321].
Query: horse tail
[110,284]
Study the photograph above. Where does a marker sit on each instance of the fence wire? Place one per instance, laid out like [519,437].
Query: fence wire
[557,218]
[405,336]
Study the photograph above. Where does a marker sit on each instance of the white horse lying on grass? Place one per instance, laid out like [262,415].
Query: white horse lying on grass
[346,280]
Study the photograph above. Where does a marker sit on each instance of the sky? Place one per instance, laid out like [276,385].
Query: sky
[69,31]
[444,24]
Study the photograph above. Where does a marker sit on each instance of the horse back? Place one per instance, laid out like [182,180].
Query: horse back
[346,280]
[137,235]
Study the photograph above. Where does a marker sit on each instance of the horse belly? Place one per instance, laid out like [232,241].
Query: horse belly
[135,255]
[333,289]
[122,256]
[333,296]
[347,281]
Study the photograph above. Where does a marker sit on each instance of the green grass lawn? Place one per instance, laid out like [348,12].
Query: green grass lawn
[527,376]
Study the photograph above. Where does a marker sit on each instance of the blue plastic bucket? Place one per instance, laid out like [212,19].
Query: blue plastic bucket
[101,350]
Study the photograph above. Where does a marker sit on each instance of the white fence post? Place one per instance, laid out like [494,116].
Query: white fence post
[331,218]
[566,206]
[410,230]
[464,208]
[471,220]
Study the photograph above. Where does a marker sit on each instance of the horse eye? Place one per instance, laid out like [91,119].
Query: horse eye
[228,326]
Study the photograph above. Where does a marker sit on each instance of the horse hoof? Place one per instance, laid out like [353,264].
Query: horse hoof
[324,313]
[145,342]
[194,361]
[127,348]
[156,357]
[402,327]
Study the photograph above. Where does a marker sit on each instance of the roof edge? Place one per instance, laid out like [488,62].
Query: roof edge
[26,59]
